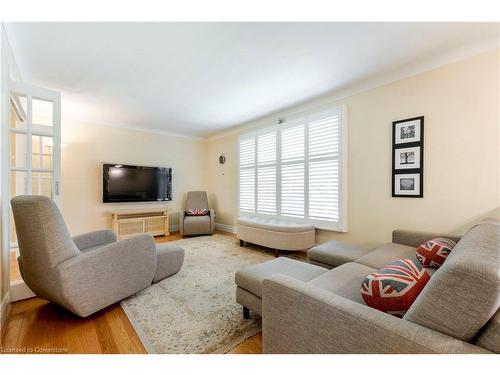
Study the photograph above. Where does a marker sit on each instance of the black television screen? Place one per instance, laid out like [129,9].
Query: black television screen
[128,183]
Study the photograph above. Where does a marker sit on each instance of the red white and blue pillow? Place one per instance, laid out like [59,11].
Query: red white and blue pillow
[196,212]
[394,287]
[433,253]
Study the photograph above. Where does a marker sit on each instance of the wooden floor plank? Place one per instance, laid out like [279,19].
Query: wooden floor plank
[81,335]
[252,345]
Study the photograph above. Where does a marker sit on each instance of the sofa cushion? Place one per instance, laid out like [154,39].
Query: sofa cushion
[393,288]
[434,252]
[278,225]
[336,253]
[251,278]
[466,287]
[344,280]
[386,254]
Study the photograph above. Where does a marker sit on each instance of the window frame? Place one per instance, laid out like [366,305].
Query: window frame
[341,224]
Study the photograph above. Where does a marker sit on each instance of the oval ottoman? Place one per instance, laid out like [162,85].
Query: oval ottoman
[275,233]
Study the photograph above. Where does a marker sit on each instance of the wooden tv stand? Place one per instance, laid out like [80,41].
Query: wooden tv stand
[147,220]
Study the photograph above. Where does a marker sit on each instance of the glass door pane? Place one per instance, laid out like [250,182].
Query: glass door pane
[18,186]
[42,115]
[18,151]
[41,183]
[42,152]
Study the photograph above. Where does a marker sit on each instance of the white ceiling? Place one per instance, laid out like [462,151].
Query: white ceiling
[198,79]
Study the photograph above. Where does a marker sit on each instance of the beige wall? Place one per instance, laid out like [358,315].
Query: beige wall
[460,103]
[87,146]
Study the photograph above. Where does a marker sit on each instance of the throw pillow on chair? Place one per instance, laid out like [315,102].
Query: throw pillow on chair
[196,212]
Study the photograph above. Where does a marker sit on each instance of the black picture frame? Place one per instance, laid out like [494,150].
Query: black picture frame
[404,140]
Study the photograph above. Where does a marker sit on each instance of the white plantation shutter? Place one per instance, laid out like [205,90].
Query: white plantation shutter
[266,173]
[324,172]
[295,171]
[247,190]
[247,174]
[324,190]
[292,190]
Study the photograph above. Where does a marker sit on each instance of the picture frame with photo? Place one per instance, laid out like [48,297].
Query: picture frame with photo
[408,158]
[409,130]
[408,185]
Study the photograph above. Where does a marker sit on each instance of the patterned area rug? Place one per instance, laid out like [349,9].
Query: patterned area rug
[195,310]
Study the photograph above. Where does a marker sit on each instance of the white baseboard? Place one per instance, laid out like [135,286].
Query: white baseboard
[4,309]
[221,227]
[225,228]
[19,291]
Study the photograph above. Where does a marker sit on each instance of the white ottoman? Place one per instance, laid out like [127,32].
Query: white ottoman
[275,233]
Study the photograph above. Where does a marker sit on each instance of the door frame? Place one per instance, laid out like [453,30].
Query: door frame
[18,288]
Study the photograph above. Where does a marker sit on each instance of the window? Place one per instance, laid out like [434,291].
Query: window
[294,170]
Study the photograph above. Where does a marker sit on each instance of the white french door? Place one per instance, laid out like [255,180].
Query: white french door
[34,152]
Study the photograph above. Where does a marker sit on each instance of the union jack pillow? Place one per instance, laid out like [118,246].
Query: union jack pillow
[433,253]
[394,287]
[196,212]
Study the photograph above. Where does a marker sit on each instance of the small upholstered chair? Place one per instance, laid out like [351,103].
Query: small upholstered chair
[88,272]
[196,224]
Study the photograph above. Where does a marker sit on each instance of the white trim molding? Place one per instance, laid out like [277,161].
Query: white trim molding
[19,291]
[225,228]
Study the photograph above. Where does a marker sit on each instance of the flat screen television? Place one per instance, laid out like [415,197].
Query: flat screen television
[130,183]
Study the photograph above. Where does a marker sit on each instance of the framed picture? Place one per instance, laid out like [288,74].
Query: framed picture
[408,185]
[408,158]
[408,131]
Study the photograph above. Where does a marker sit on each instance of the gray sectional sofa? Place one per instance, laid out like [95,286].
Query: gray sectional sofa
[310,309]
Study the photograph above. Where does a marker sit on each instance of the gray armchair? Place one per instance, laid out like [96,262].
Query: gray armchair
[88,272]
[196,225]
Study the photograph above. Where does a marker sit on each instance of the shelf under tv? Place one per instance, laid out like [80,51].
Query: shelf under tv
[128,223]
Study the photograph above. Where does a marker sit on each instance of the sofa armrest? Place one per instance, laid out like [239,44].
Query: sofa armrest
[98,277]
[93,239]
[301,318]
[415,238]
[212,220]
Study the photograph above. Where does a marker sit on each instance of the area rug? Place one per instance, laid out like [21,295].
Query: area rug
[195,310]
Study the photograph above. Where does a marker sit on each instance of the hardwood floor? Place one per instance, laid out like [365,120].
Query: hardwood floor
[38,326]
